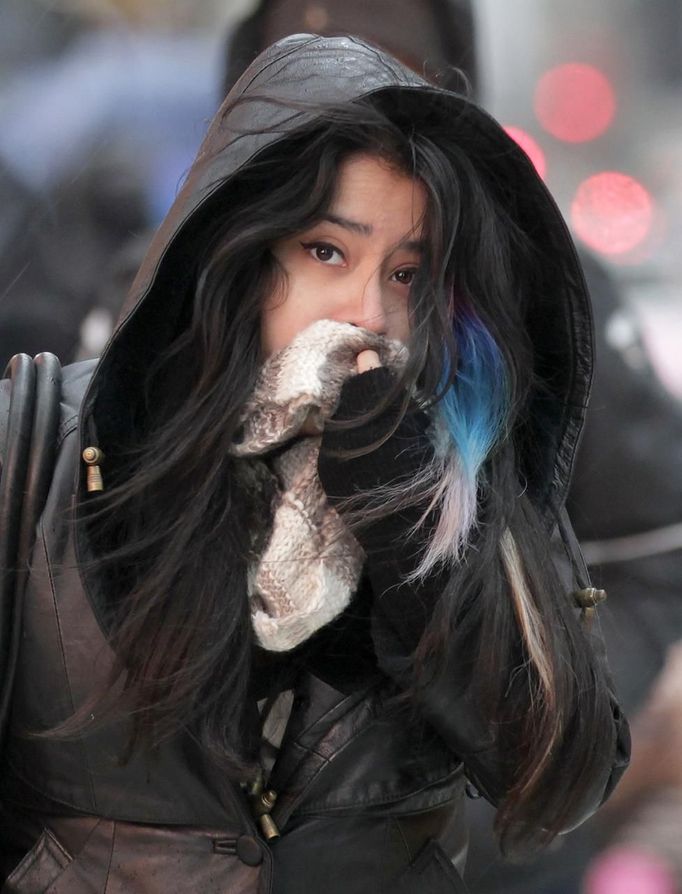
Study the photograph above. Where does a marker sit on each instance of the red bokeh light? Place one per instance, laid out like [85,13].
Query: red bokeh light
[530,147]
[612,213]
[574,102]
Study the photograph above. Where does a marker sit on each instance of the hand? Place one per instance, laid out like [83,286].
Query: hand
[365,361]
[397,457]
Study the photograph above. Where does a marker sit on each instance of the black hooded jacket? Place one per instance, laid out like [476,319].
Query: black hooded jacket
[364,804]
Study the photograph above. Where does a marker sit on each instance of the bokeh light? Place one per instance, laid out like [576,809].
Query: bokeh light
[612,213]
[531,147]
[574,102]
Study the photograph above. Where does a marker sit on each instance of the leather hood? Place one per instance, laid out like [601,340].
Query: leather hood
[323,70]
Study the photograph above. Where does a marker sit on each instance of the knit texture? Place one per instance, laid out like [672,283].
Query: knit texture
[310,565]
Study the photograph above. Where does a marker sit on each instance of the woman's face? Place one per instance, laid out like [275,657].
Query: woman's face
[356,265]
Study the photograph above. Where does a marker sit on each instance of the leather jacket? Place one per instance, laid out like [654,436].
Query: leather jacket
[356,796]
[363,802]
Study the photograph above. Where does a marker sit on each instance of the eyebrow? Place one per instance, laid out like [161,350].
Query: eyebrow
[352,225]
[366,230]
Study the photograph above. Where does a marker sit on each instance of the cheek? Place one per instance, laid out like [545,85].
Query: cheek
[398,319]
[399,330]
[272,314]
[286,312]
[273,324]
[403,326]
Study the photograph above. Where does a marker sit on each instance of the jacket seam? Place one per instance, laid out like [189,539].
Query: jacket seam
[67,426]
[68,856]
[267,65]
[111,855]
[396,824]
[73,857]
[318,806]
[53,591]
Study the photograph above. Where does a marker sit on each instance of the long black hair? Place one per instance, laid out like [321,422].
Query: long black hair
[172,534]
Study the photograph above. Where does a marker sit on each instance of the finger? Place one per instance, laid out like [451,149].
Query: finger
[367,360]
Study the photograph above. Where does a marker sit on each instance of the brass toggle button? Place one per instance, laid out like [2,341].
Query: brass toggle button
[262,801]
[588,599]
[268,799]
[268,827]
[92,457]
[261,806]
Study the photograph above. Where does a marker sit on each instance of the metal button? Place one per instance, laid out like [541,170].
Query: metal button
[249,850]
[589,597]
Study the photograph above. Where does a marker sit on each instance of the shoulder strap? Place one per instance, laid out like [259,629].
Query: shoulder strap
[21,371]
[28,462]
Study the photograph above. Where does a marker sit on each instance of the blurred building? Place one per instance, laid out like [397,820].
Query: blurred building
[595,89]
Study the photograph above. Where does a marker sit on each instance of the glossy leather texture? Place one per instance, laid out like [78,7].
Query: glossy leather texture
[28,440]
[95,855]
[347,771]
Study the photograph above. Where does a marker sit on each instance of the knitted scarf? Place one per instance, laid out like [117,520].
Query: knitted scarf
[306,568]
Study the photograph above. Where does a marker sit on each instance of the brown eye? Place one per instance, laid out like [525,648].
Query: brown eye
[405,277]
[324,253]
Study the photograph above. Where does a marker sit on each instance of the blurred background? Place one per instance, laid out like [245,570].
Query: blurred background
[595,87]
[103,104]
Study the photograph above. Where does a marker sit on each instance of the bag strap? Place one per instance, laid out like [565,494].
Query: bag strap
[28,463]
[15,463]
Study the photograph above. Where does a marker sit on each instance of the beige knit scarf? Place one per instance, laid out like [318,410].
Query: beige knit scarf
[309,564]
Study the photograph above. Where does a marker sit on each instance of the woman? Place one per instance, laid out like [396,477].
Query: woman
[316,596]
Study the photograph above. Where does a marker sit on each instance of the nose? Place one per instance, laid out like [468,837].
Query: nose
[365,304]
